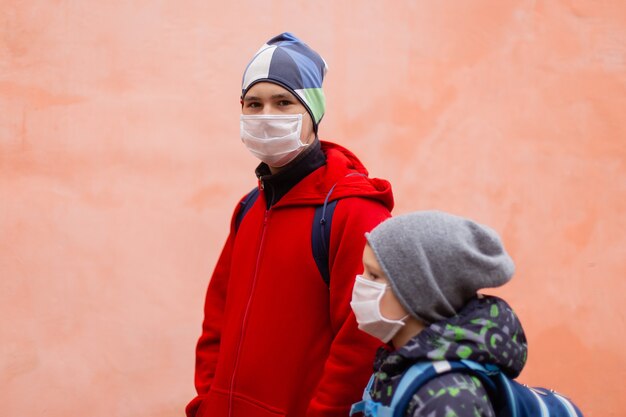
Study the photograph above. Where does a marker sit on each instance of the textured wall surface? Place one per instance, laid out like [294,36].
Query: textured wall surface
[120,164]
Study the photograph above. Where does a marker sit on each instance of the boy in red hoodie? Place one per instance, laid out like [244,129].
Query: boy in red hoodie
[277,340]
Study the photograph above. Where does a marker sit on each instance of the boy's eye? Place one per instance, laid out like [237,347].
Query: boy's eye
[253,105]
[284,102]
[372,276]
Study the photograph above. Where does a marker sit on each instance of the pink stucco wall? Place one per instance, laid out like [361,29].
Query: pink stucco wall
[120,164]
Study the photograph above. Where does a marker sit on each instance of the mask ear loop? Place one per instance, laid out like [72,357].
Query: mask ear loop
[380,313]
[400,322]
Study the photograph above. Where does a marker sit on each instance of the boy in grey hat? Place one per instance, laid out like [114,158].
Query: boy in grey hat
[418,293]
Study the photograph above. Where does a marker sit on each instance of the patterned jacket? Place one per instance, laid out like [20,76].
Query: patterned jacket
[486,330]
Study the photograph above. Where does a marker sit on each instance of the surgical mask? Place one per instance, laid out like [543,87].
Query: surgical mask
[273,138]
[366,296]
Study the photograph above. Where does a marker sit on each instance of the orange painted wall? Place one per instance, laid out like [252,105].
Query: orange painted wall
[120,164]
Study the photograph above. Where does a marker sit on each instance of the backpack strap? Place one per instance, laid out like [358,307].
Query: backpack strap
[320,230]
[244,206]
[512,399]
[367,398]
[412,380]
[320,235]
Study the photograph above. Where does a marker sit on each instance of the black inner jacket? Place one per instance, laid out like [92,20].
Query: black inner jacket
[275,186]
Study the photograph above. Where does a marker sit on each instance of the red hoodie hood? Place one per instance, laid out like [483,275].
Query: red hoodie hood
[343,171]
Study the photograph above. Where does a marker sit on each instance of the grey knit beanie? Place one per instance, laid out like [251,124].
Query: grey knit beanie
[436,261]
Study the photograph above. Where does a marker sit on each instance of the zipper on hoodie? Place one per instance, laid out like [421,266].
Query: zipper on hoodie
[245,314]
[269,192]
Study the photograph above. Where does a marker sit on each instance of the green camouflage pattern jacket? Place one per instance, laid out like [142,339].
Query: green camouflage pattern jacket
[486,330]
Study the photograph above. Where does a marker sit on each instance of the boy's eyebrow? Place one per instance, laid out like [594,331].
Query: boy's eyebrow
[371,267]
[282,95]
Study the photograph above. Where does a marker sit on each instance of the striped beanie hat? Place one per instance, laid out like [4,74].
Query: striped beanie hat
[287,61]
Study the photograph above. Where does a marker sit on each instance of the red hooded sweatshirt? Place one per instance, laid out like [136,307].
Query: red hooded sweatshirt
[276,339]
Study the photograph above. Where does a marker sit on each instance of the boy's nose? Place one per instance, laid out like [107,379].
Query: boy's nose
[269,109]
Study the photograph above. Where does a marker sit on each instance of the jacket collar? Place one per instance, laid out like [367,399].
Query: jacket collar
[275,186]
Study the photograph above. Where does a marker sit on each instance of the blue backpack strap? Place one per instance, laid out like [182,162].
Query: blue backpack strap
[510,398]
[245,204]
[360,406]
[412,380]
[320,235]
[368,406]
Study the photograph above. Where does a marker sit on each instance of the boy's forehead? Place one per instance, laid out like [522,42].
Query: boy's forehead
[368,255]
[267,89]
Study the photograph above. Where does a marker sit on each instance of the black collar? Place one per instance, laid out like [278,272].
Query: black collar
[277,185]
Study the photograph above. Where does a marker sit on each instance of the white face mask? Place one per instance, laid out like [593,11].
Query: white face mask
[366,296]
[273,138]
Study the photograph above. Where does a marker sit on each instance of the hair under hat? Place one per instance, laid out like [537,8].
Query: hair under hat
[287,61]
[436,261]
